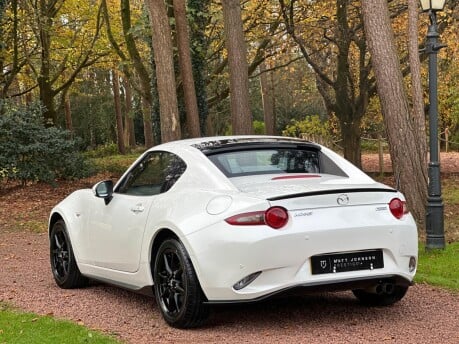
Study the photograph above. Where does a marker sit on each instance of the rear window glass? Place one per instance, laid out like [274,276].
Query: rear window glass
[267,161]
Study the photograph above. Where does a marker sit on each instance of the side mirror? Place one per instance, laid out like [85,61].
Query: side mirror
[104,190]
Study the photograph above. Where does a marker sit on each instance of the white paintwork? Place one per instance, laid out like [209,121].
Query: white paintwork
[113,242]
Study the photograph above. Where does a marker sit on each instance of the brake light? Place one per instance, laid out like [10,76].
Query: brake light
[296,176]
[274,217]
[398,208]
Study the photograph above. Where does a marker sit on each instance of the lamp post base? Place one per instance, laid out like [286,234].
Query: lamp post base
[434,224]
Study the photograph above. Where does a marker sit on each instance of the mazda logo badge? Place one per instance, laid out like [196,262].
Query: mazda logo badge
[343,199]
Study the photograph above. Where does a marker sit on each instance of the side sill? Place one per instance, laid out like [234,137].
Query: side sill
[146,290]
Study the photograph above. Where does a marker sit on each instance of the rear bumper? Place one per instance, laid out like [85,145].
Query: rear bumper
[351,284]
[223,255]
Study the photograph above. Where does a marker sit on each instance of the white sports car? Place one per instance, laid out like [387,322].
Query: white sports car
[235,219]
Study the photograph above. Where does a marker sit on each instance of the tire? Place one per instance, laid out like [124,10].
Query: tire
[63,264]
[177,290]
[380,298]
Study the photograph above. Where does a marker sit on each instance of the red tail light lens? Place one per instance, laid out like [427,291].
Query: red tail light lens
[398,208]
[275,217]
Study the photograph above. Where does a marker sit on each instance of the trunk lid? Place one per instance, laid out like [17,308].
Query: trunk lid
[308,191]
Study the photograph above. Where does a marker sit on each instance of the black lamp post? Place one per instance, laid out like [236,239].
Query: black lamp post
[434,211]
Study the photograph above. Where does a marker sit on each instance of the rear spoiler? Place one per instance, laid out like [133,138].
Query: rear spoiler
[328,192]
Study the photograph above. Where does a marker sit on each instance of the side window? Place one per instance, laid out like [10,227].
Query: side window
[155,174]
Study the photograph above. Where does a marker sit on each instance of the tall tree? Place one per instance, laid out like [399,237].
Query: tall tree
[186,70]
[164,63]
[335,48]
[129,133]
[418,114]
[67,110]
[241,117]
[268,100]
[141,70]
[199,13]
[337,52]
[11,62]
[118,114]
[76,49]
[403,135]
[139,77]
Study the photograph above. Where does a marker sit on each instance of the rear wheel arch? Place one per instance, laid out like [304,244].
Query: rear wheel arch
[177,290]
[162,235]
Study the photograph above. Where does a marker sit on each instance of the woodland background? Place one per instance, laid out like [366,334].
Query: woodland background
[129,73]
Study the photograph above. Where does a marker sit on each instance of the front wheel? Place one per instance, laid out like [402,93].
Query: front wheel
[63,263]
[177,290]
[381,295]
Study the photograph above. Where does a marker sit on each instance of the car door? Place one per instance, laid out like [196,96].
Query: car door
[117,228]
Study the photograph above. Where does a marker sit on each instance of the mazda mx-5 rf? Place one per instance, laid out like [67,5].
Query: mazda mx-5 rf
[236,219]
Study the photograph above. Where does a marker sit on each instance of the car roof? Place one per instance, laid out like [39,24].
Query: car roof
[205,144]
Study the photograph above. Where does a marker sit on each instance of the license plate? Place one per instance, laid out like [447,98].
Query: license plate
[350,261]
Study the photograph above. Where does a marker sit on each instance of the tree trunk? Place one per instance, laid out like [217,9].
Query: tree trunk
[199,48]
[186,70]
[118,114]
[351,133]
[403,141]
[129,132]
[43,80]
[9,12]
[141,70]
[416,82]
[241,117]
[68,113]
[162,46]
[147,126]
[268,101]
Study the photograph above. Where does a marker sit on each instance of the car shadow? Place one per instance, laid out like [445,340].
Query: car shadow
[291,311]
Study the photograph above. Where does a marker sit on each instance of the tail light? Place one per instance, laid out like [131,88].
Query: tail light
[274,217]
[398,208]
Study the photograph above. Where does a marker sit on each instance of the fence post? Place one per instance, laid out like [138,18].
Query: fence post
[446,139]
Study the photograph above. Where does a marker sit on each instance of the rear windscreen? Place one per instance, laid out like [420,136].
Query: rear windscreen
[267,161]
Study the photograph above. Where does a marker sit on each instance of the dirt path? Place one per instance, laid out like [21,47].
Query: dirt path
[449,162]
[426,315]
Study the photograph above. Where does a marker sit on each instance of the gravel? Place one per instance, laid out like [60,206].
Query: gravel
[425,315]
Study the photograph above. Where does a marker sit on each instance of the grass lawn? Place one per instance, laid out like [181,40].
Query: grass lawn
[439,267]
[17,327]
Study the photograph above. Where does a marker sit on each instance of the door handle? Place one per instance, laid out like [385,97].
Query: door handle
[137,209]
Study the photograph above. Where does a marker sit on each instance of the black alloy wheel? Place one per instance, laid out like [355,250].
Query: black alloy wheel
[63,264]
[177,290]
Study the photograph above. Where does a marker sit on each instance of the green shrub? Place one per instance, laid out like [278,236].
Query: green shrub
[115,165]
[259,127]
[29,151]
[311,128]
[101,151]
